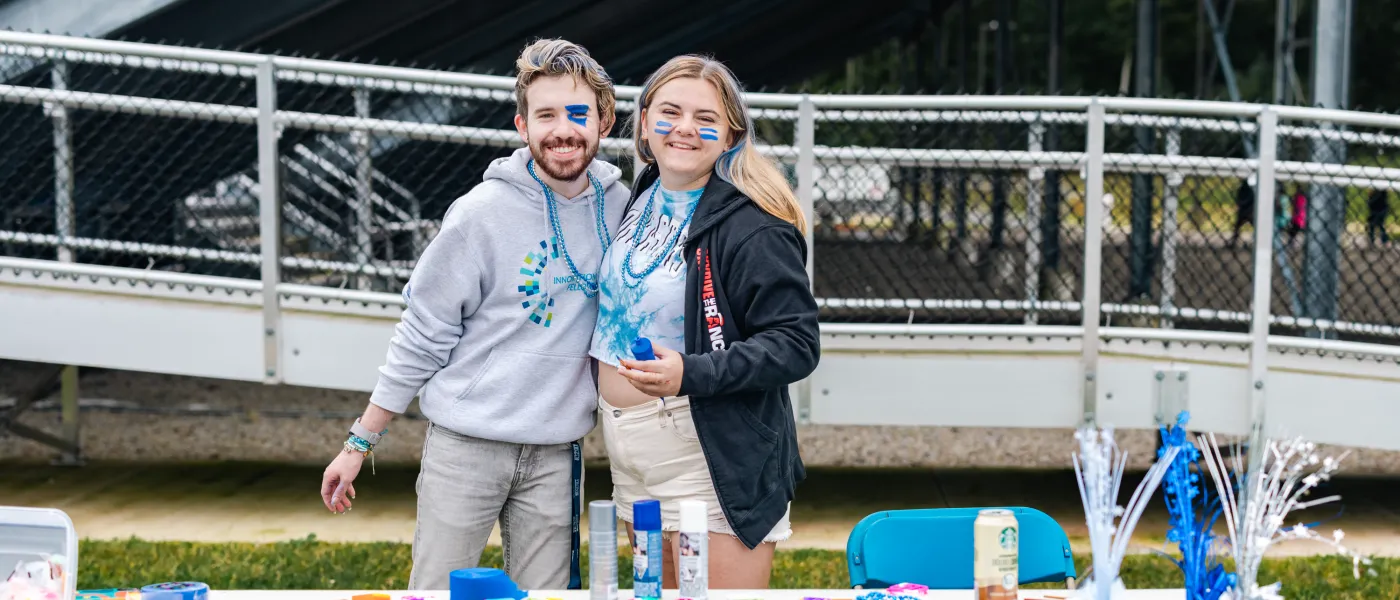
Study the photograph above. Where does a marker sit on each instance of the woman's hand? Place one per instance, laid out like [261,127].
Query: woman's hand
[337,484]
[660,378]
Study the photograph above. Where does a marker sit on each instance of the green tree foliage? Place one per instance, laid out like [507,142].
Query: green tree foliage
[1098,43]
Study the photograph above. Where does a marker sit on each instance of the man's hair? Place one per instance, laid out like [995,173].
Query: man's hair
[552,57]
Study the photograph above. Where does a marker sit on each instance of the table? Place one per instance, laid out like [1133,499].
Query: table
[845,594]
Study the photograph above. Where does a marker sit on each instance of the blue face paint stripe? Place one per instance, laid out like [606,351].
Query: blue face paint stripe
[578,113]
[709,133]
[664,128]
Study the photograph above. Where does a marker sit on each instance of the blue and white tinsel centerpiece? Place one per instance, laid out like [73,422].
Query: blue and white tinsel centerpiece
[1099,466]
[1194,508]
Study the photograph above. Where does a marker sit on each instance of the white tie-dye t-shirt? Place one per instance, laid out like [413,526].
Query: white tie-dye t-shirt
[653,306]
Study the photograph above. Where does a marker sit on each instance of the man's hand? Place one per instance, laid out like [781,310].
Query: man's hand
[337,485]
[660,378]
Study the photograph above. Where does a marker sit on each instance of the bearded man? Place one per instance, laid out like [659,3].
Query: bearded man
[494,340]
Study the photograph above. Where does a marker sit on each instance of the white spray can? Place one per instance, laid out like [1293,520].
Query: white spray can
[693,568]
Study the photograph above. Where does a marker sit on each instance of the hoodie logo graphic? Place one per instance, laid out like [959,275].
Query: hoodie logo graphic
[537,299]
[709,304]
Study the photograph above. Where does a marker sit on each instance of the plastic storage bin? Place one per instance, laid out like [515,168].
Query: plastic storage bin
[29,535]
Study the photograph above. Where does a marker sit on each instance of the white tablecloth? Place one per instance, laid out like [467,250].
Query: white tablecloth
[843,594]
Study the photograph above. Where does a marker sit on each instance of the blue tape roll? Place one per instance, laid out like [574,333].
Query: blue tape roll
[482,583]
[176,590]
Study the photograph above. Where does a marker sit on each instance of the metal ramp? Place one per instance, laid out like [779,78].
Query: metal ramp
[930,315]
[968,376]
[319,184]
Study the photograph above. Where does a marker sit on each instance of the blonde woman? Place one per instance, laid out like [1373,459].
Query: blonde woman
[709,264]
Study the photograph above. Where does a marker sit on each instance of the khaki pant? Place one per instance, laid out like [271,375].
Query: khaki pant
[467,484]
[655,454]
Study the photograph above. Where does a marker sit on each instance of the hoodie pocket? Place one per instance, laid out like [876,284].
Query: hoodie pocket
[481,372]
[519,374]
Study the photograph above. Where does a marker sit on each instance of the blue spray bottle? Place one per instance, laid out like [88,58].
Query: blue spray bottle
[647,550]
[641,350]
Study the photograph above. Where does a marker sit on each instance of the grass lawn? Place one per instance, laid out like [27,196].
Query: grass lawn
[311,564]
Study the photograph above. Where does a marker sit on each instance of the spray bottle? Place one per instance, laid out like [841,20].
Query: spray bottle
[647,552]
[693,569]
[642,350]
[602,550]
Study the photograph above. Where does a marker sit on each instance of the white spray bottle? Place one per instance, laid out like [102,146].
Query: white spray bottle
[693,568]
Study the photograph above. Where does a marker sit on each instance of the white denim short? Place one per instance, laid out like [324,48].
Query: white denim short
[655,454]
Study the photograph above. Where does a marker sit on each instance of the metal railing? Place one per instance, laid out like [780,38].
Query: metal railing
[930,209]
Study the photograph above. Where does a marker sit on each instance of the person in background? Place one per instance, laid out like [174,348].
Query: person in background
[1244,208]
[1282,215]
[1378,210]
[495,335]
[1298,217]
[710,265]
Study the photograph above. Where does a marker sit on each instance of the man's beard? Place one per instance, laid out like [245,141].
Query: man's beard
[562,170]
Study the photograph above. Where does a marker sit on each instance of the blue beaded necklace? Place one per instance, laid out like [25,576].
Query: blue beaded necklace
[640,231]
[600,225]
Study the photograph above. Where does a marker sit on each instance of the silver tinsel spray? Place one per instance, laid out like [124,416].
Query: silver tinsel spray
[1288,472]
[1099,468]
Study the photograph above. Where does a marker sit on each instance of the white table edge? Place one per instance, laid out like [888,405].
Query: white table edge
[770,594]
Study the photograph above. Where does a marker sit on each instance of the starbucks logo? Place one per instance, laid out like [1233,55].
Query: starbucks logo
[1008,538]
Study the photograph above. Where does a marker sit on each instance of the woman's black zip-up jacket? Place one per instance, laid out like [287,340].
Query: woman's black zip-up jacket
[750,331]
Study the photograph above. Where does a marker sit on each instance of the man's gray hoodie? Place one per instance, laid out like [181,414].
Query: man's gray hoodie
[497,327]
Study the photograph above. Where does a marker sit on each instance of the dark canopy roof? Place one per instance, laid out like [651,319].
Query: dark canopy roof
[766,42]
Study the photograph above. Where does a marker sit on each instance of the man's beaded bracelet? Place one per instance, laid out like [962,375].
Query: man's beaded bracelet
[359,444]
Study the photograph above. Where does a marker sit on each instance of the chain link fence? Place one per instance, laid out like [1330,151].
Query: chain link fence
[103,155]
[966,215]
[1335,268]
[946,217]
[135,162]
[1172,231]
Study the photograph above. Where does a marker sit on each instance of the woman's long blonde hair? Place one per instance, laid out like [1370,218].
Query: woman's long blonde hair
[741,165]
